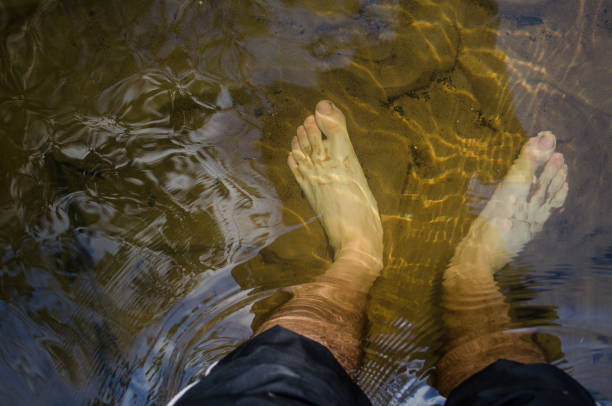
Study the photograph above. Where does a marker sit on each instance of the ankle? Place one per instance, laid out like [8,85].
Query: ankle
[353,271]
[360,258]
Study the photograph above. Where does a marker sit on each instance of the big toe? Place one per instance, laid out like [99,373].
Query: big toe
[541,147]
[329,117]
[332,123]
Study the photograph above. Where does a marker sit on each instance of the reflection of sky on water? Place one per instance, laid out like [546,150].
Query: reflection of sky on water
[141,207]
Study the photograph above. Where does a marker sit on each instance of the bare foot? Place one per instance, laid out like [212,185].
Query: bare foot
[519,206]
[325,166]
[476,316]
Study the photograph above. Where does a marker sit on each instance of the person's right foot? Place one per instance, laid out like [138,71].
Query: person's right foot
[324,164]
[519,206]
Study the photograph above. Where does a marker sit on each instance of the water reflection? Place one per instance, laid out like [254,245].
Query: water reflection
[149,221]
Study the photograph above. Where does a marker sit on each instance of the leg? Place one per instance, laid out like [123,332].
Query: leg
[330,309]
[277,366]
[476,314]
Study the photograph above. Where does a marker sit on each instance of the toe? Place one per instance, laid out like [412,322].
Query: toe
[294,166]
[295,145]
[552,190]
[329,118]
[557,181]
[296,150]
[314,137]
[541,148]
[559,199]
[545,179]
[541,213]
[546,141]
[333,124]
[303,141]
[552,168]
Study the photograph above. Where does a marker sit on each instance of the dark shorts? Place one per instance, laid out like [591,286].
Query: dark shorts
[279,367]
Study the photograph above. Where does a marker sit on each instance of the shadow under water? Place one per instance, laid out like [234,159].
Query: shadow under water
[149,222]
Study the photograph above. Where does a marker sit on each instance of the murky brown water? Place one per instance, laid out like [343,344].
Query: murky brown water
[148,221]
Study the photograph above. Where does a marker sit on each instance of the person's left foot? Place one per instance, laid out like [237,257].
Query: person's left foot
[324,164]
[520,205]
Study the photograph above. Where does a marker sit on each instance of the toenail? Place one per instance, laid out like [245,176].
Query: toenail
[546,141]
[324,107]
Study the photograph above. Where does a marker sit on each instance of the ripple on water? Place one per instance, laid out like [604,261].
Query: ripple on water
[149,220]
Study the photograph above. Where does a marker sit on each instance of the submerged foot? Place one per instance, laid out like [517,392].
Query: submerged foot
[520,205]
[478,326]
[325,166]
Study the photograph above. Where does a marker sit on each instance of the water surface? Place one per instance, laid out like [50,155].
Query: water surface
[149,222]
